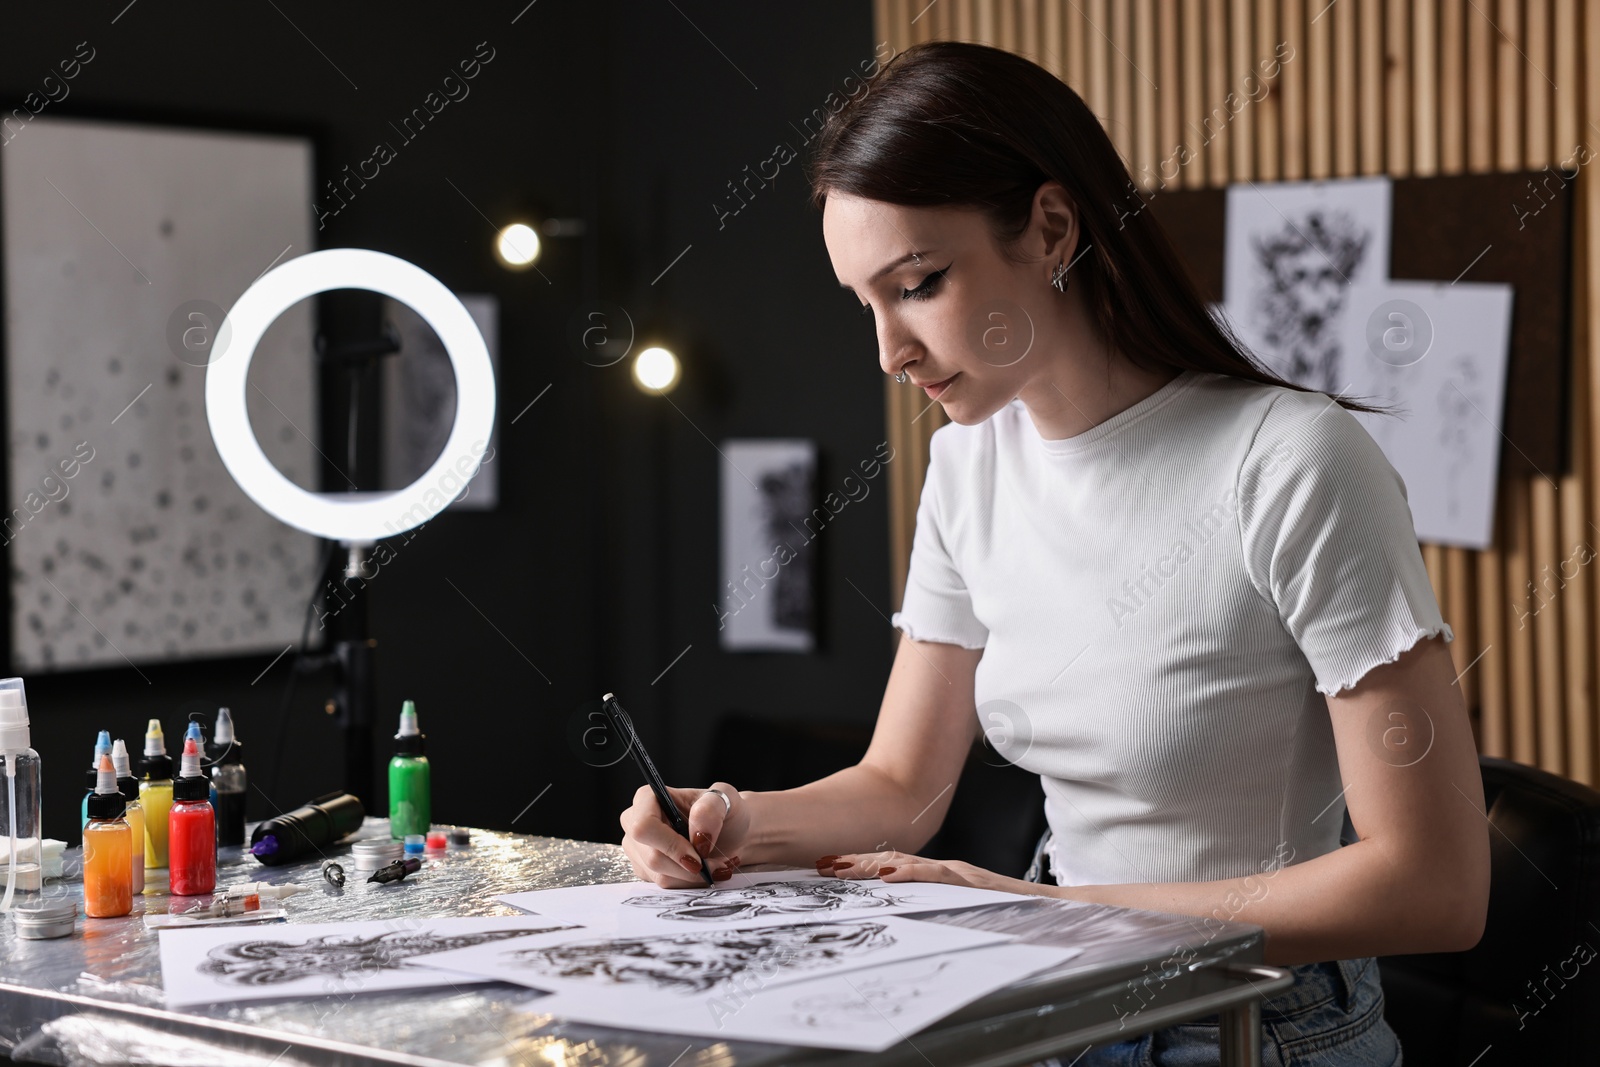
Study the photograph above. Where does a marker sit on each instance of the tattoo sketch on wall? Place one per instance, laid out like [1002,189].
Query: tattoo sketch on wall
[704,959]
[1305,269]
[769,898]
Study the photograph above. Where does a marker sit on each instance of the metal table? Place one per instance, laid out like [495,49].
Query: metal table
[96,998]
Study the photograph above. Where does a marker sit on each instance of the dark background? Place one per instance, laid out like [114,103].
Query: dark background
[600,564]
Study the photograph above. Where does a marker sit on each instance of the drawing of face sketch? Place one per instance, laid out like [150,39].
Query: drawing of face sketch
[1305,268]
[700,961]
[874,999]
[768,898]
[275,962]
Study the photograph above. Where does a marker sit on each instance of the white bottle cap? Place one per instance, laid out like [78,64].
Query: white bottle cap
[13,715]
[119,758]
[155,742]
[190,767]
[106,780]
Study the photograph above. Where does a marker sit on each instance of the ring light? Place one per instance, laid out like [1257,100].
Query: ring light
[354,518]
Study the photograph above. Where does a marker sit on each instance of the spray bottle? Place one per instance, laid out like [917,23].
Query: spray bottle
[102,747]
[107,850]
[409,786]
[227,781]
[155,793]
[19,796]
[191,829]
[128,786]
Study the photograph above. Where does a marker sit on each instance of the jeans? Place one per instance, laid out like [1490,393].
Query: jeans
[1331,1017]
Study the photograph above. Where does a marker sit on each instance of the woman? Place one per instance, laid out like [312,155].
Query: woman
[1188,593]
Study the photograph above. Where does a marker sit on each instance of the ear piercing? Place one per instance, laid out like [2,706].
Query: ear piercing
[1058,277]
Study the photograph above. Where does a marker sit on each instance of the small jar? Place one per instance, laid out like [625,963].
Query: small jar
[370,855]
[415,843]
[43,921]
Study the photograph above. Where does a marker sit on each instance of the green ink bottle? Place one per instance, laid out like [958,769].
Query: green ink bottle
[409,779]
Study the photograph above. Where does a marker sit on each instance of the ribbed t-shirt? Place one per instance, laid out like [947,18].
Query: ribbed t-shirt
[1163,602]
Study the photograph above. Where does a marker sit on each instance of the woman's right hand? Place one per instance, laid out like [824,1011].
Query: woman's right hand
[716,831]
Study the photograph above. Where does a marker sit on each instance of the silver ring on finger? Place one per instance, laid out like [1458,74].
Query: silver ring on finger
[727,805]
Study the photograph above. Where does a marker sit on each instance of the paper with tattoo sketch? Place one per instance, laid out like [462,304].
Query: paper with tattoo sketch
[306,960]
[867,1010]
[746,900]
[682,965]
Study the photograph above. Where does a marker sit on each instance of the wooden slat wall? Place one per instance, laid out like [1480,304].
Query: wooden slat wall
[1399,87]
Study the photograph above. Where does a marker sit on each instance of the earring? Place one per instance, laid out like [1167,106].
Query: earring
[1058,277]
[901,377]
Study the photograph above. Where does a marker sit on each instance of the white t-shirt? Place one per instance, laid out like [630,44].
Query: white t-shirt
[1161,600]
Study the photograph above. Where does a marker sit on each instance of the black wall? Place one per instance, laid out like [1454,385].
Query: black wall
[600,564]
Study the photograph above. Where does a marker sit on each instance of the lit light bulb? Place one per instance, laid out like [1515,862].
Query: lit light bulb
[656,370]
[518,245]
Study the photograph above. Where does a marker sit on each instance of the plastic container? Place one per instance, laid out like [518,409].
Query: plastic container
[191,830]
[20,795]
[128,786]
[415,843]
[102,746]
[228,782]
[410,779]
[107,850]
[155,794]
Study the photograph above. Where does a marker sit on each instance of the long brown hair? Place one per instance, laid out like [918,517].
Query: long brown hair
[955,124]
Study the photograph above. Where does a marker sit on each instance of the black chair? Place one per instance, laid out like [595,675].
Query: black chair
[1530,990]
[995,817]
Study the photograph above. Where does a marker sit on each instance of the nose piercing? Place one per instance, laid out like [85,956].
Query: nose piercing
[901,377]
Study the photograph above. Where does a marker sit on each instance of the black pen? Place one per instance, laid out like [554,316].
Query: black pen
[623,727]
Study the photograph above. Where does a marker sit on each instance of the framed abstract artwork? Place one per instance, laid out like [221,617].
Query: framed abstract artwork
[767,597]
[124,245]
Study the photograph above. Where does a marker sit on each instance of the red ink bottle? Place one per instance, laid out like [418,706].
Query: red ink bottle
[191,829]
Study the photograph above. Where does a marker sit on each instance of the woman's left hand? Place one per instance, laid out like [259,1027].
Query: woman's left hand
[900,867]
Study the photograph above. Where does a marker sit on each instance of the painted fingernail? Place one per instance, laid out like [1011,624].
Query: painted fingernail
[825,861]
[842,864]
[702,842]
[722,875]
[690,865]
[885,870]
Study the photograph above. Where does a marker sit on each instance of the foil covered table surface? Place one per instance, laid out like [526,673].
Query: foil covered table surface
[96,997]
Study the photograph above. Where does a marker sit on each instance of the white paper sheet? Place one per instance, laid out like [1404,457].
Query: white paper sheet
[745,900]
[1292,251]
[688,965]
[217,965]
[1438,353]
[868,1010]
